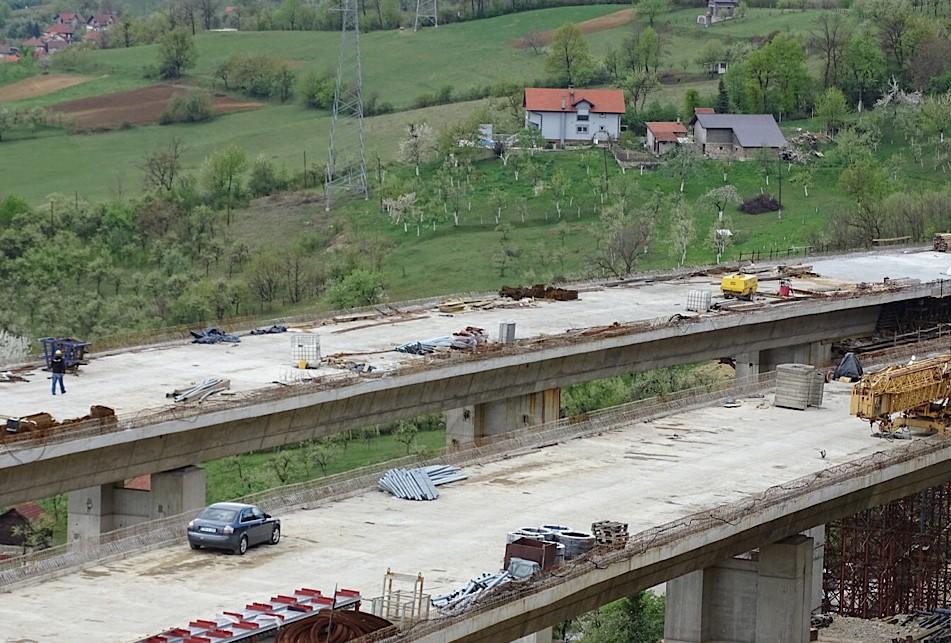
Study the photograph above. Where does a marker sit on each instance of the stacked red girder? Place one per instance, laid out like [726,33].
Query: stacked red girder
[893,559]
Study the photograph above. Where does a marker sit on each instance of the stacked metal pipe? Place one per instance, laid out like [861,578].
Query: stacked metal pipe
[419,484]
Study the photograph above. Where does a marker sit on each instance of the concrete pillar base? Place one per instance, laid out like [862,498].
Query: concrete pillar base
[747,364]
[764,598]
[471,424]
[816,353]
[96,510]
[544,636]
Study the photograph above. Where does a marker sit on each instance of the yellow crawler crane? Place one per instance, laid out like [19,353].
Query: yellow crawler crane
[919,392]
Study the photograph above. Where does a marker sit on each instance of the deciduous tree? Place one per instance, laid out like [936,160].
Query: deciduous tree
[177,53]
[569,60]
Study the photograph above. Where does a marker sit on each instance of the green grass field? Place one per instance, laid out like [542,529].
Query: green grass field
[99,166]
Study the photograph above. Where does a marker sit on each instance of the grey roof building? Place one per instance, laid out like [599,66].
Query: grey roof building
[736,136]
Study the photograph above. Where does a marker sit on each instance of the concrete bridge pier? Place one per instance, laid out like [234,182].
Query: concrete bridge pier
[755,362]
[757,598]
[96,510]
[470,424]
[544,636]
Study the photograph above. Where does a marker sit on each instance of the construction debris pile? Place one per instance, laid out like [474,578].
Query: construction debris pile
[467,339]
[9,377]
[39,424]
[936,626]
[798,386]
[201,391]
[460,598]
[539,291]
[529,551]
[269,330]
[419,484]
[213,336]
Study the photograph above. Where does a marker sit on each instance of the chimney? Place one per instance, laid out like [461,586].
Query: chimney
[571,94]
[562,104]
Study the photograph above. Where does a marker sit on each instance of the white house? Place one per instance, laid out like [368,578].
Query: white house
[582,115]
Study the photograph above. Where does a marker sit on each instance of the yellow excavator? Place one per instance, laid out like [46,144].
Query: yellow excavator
[917,393]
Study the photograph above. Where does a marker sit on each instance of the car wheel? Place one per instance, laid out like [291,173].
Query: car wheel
[275,535]
[194,546]
[242,546]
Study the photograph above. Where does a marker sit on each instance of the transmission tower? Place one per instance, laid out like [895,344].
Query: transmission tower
[347,165]
[426,14]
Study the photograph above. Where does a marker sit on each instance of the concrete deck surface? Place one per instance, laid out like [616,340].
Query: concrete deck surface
[138,379]
[645,474]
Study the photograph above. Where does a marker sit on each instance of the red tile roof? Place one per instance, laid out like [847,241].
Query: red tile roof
[60,29]
[69,15]
[93,35]
[609,101]
[32,42]
[9,58]
[704,110]
[666,131]
[30,510]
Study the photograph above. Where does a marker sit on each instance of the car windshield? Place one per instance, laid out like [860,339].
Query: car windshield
[218,514]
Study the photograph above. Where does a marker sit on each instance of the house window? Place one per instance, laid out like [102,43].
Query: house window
[582,129]
[581,117]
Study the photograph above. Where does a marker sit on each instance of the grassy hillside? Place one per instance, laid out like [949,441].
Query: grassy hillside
[98,166]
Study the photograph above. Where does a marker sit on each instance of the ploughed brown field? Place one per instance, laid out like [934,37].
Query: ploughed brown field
[136,107]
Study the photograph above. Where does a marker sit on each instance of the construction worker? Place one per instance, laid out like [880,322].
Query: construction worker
[58,367]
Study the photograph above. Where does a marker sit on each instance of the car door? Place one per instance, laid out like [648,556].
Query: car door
[262,528]
[247,524]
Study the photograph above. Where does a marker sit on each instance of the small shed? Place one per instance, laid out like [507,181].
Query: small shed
[664,135]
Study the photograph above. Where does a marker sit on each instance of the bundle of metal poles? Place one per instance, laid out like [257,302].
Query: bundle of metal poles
[419,484]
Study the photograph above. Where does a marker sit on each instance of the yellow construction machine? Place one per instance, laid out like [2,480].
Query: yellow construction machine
[739,286]
[918,393]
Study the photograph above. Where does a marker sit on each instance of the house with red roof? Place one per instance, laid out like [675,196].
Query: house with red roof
[94,37]
[69,19]
[58,31]
[101,21]
[574,115]
[664,135]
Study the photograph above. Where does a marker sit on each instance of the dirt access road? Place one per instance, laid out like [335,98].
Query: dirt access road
[610,21]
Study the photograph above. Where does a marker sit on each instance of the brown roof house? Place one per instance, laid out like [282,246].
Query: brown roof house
[662,136]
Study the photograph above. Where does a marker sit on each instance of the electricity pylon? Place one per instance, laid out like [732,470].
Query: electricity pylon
[426,14]
[347,165]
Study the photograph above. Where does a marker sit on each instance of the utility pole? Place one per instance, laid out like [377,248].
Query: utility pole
[427,13]
[346,163]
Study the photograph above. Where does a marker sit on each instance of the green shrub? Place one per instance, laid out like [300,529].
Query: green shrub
[194,107]
[359,288]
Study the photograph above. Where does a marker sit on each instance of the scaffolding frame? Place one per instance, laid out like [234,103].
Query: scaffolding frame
[892,559]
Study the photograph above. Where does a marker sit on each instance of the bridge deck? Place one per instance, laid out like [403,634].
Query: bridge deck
[645,474]
[139,378]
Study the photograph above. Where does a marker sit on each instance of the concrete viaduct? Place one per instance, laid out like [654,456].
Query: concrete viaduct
[482,395]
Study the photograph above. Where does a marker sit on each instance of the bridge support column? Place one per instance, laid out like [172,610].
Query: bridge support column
[96,510]
[747,364]
[815,353]
[755,599]
[471,424]
[544,636]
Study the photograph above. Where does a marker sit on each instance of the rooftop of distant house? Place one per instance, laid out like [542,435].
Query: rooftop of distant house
[544,99]
[667,131]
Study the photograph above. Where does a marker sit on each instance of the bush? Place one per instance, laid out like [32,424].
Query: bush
[359,288]
[265,179]
[759,204]
[257,75]
[194,107]
[317,90]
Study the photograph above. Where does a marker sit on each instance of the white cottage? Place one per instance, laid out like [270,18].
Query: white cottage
[581,115]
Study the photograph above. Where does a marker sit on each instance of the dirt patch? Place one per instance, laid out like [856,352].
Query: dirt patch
[39,86]
[610,21]
[137,107]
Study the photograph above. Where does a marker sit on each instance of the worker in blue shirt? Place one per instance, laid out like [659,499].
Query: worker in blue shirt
[58,367]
